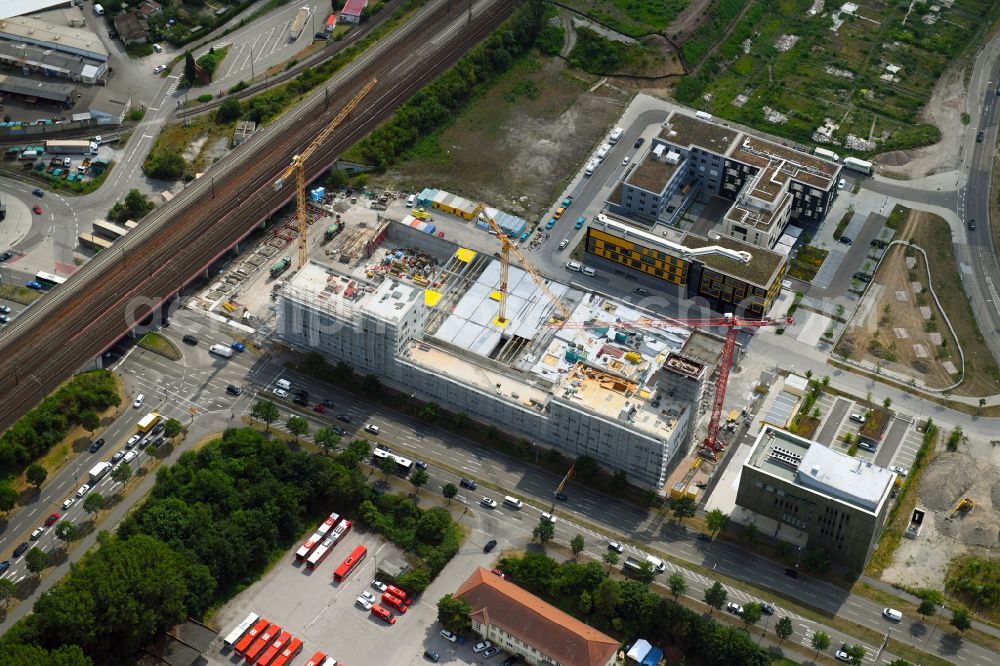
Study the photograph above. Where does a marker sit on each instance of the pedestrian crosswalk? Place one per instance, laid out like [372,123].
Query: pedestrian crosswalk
[176,80]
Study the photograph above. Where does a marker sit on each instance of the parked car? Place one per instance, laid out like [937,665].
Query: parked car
[328,403]
[299,400]
[190,340]
[615,546]
[158,428]
[68,503]
[488,502]
[340,431]
[379,585]
[37,533]
[51,519]
[372,428]
[98,443]
[5,256]
[481,646]
[864,277]
[766,608]
[490,545]
[734,608]
[420,464]
[430,655]
[132,441]
[579,223]
[642,291]
[526,235]
[319,408]
[841,654]
[19,551]
[841,184]
[902,471]
[638,142]
[31,284]
[879,243]
[157,48]
[563,243]
[159,68]
[551,223]
[566,202]
[363,603]
[467,483]
[549,517]
[448,636]
[238,346]
[322,35]
[792,573]
[345,418]
[846,240]
[490,651]
[858,417]
[280,392]
[509,661]
[4,565]
[82,490]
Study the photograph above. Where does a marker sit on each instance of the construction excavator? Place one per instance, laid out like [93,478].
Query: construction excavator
[963,507]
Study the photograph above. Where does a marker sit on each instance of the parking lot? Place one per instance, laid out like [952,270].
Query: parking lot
[309,605]
[898,446]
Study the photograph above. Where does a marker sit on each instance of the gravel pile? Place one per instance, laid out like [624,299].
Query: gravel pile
[947,480]
[980,530]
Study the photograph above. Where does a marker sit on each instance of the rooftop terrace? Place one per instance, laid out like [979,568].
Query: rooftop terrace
[684,130]
[651,174]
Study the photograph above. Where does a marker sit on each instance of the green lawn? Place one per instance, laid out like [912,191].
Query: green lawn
[806,263]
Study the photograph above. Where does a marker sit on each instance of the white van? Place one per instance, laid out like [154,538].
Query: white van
[587,270]
[99,10]
[284,384]
[221,350]
[410,200]
[603,151]
[892,614]
[591,167]
[573,266]
[615,135]
[512,502]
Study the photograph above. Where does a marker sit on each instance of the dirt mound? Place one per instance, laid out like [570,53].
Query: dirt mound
[947,480]
[981,531]
[898,158]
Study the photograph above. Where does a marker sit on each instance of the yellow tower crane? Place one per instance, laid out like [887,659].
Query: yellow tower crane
[506,248]
[299,169]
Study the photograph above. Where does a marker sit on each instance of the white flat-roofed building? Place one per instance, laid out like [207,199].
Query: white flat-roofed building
[64,39]
[590,388]
[838,502]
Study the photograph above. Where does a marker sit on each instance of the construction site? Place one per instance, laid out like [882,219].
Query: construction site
[483,333]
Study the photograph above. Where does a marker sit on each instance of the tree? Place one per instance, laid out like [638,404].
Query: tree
[36,560]
[715,596]
[960,619]
[453,614]
[36,475]
[887,402]
[783,629]
[646,574]
[449,491]
[820,641]
[491,432]
[172,428]
[93,502]
[164,163]
[266,411]
[122,473]
[927,607]
[750,532]
[855,653]
[751,614]
[716,521]
[371,384]
[327,439]
[619,480]
[677,584]
[8,497]
[386,465]
[66,530]
[343,371]
[607,597]
[586,468]
[576,544]
[544,531]
[7,590]
[90,420]
[461,420]
[420,477]
[430,412]
[298,426]
[683,507]
[610,558]
[189,68]
[228,111]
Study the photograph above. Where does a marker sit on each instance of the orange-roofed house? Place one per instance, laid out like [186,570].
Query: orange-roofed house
[520,623]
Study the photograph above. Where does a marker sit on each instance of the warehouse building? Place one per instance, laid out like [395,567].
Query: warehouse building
[566,374]
[836,502]
[32,91]
[353,11]
[61,39]
[31,59]
[521,624]
[731,275]
[769,184]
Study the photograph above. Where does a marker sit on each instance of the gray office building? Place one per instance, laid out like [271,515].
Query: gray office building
[840,503]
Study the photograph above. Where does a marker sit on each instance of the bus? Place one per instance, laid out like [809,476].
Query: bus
[399,594]
[248,639]
[316,659]
[394,601]
[291,651]
[403,465]
[341,530]
[261,644]
[348,565]
[147,422]
[307,548]
[48,280]
[321,552]
[240,629]
[861,166]
[329,523]
[270,653]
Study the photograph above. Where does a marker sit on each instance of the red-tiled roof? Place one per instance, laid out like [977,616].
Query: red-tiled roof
[541,625]
[354,7]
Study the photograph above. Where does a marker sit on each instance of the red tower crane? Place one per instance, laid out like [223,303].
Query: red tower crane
[728,321]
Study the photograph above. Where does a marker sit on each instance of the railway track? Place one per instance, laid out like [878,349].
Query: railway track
[108,296]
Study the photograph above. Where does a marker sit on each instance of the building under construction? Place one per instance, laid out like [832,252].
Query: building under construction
[421,313]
